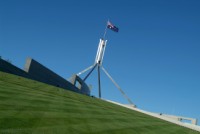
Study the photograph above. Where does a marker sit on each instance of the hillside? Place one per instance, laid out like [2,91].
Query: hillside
[27,106]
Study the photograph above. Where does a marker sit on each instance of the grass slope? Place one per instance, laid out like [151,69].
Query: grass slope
[28,106]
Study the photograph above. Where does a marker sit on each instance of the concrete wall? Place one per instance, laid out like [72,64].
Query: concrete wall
[43,74]
[36,71]
[10,68]
[80,84]
[180,118]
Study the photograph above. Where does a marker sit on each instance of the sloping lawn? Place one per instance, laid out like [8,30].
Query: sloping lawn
[27,106]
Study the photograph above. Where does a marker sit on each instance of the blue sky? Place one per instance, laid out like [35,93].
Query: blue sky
[154,57]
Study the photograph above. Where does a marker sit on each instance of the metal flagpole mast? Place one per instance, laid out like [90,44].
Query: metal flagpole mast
[98,63]
[105,32]
[99,60]
[104,36]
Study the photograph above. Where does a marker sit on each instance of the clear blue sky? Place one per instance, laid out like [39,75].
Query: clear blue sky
[155,56]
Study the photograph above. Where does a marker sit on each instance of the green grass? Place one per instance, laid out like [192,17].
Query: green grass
[28,106]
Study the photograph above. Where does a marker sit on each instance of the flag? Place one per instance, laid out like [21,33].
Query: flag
[112,27]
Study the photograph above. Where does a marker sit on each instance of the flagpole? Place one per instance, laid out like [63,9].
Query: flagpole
[104,36]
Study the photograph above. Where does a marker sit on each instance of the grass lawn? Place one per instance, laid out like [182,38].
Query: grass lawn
[27,106]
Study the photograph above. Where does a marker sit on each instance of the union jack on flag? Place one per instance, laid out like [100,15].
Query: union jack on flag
[112,27]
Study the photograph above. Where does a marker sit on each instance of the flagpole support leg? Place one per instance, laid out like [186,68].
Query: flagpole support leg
[89,72]
[118,87]
[99,81]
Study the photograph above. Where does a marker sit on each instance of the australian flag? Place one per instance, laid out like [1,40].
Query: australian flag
[112,27]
